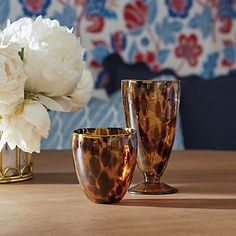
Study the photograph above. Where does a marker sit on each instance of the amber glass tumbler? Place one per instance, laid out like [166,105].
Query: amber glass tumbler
[104,160]
[151,107]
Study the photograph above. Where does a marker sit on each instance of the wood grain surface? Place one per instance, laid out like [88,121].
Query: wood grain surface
[54,204]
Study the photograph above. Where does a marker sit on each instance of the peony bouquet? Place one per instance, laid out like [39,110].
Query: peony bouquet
[41,69]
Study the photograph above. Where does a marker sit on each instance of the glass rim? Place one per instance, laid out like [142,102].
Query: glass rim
[89,132]
[151,81]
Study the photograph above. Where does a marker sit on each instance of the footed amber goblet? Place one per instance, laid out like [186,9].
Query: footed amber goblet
[104,160]
[151,106]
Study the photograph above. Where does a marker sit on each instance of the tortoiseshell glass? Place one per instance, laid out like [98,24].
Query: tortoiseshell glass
[104,160]
[151,107]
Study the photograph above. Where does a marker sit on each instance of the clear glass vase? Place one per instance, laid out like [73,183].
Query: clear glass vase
[15,165]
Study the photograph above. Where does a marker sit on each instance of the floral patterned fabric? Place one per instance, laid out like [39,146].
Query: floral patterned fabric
[190,37]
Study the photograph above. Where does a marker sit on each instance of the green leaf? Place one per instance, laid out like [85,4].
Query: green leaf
[21,53]
[31,97]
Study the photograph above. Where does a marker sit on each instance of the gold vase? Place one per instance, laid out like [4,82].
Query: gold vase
[15,165]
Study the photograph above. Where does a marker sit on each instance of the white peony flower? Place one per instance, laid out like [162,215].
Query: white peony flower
[80,96]
[83,91]
[12,78]
[18,32]
[26,127]
[53,59]
[52,76]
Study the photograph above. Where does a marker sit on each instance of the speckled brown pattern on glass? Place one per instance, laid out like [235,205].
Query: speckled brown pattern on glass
[104,160]
[151,108]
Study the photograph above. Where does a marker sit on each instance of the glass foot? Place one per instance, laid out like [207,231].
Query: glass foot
[152,189]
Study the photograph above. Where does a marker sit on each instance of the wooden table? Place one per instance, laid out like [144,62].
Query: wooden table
[53,203]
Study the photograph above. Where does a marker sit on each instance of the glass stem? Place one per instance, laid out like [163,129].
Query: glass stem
[151,180]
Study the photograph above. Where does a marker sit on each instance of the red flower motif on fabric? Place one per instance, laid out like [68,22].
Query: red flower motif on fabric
[178,5]
[135,14]
[97,24]
[34,5]
[148,58]
[214,3]
[227,24]
[229,53]
[188,48]
[79,2]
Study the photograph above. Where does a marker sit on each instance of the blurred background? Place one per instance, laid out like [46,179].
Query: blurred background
[190,40]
